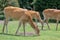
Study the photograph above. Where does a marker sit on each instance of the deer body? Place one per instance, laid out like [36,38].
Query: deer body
[19,14]
[51,14]
[9,11]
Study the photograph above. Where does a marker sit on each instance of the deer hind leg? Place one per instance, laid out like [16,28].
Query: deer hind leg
[57,25]
[5,24]
[42,23]
[34,26]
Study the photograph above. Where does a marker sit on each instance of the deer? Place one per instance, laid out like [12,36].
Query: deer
[51,14]
[36,15]
[19,14]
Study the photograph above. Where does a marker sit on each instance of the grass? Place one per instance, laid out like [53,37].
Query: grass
[44,34]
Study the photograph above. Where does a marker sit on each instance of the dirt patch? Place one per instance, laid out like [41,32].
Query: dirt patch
[1,22]
[26,34]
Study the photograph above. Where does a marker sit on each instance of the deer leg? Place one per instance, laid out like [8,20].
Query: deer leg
[18,27]
[47,24]
[34,26]
[40,20]
[5,24]
[42,24]
[57,25]
[24,28]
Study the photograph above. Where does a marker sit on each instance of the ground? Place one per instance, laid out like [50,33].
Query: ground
[44,34]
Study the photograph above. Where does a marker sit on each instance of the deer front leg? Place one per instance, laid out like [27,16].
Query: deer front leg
[18,28]
[40,20]
[7,26]
[24,28]
[57,25]
[34,26]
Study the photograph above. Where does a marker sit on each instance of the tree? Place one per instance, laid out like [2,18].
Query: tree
[3,4]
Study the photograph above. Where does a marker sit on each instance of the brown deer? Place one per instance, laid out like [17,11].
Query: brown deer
[51,14]
[19,14]
[36,15]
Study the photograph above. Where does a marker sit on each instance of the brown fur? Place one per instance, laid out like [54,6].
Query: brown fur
[36,15]
[52,14]
[19,14]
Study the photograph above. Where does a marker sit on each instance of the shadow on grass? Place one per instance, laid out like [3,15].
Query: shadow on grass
[18,35]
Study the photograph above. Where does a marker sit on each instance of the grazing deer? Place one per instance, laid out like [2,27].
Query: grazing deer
[51,14]
[18,14]
[36,15]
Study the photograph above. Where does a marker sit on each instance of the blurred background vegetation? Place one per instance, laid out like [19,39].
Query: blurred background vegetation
[37,5]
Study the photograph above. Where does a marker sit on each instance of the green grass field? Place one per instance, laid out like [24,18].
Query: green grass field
[44,34]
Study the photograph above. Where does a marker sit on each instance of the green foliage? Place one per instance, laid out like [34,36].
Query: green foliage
[40,5]
[3,3]
[25,3]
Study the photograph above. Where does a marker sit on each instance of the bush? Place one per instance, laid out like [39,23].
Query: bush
[2,17]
